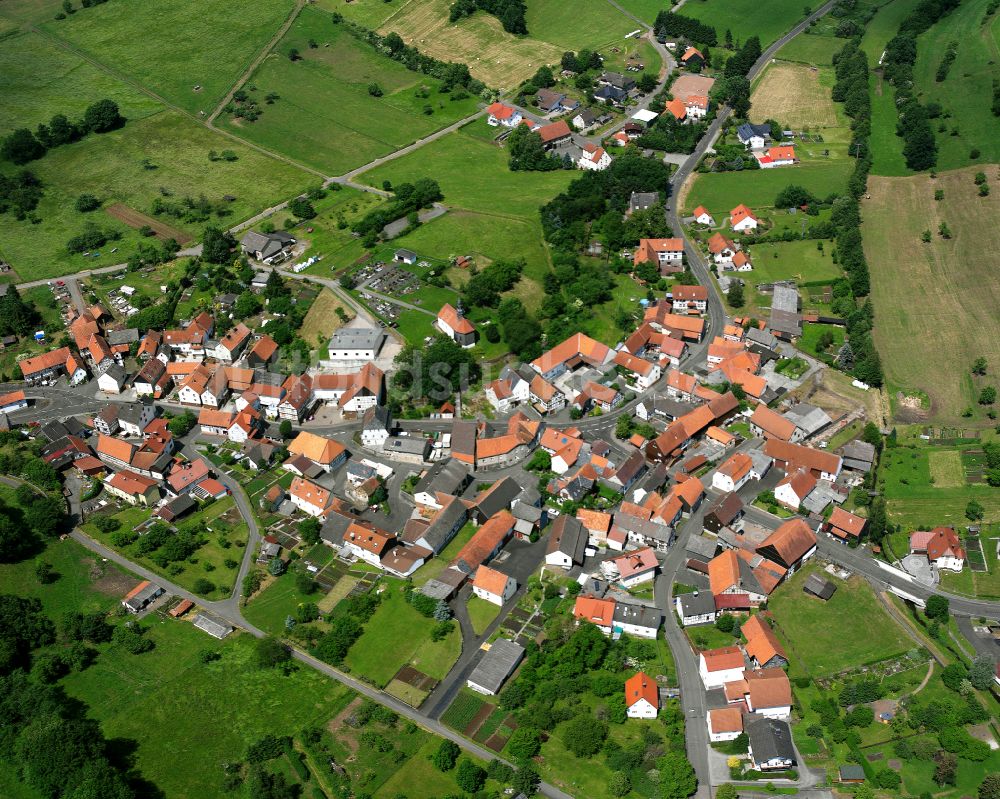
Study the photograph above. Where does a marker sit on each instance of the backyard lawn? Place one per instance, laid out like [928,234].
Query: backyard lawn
[216,560]
[397,635]
[823,636]
[481,613]
[722,191]
[269,608]
[916,502]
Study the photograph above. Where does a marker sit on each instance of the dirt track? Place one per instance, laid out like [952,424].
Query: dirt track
[136,219]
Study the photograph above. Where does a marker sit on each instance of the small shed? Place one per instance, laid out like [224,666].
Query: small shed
[852,773]
[405,256]
[819,587]
[213,626]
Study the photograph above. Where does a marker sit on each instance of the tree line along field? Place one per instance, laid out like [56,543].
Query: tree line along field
[325,115]
[966,94]
[161,156]
[174,46]
[936,303]
[501,59]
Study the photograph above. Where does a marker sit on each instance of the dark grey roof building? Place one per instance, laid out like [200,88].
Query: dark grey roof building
[771,745]
[496,666]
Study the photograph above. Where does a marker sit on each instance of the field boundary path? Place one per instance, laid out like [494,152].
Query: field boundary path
[256,62]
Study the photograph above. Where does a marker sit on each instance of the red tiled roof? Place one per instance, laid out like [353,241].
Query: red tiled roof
[641,686]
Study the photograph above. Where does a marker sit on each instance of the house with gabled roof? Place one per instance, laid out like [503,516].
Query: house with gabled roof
[596,611]
[502,115]
[692,58]
[701,216]
[941,546]
[752,136]
[776,156]
[719,666]
[454,325]
[593,158]
[794,488]
[642,697]
[494,586]
[742,219]
[763,647]
[567,542]
[134,488]
[722,249]
[724,724]
[667,253]
[790,545]
[45,366]
[325,452]
[267,247]
[845,525]
[309,497]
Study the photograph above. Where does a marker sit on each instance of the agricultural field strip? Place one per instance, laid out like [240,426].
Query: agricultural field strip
[256,62]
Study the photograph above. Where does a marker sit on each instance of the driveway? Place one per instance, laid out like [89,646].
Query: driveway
[921,570]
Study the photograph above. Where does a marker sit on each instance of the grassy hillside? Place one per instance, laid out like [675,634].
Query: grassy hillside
[166,153]
[936,303]
[768,19]
[325,116]
[175,46]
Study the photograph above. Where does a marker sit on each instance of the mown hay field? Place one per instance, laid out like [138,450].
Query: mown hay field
[936,303]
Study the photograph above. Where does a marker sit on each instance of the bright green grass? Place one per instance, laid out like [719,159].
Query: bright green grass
[482,236]
[335,244]
[420,779]
[807,343]
[42,79]
[913,501]
[110,166]
[369,13]
[887,147]
[269,609]
[397,635]
[768,19]
[792,260]
[179,710]
[212,553]
[581,24]
[810,49]
[73,591]
[481,613]
[720,192]
[203,43]
[967,92]
[918,775]
[474,176]
[326,118]
[823,636]
[883,26]
[646,10]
